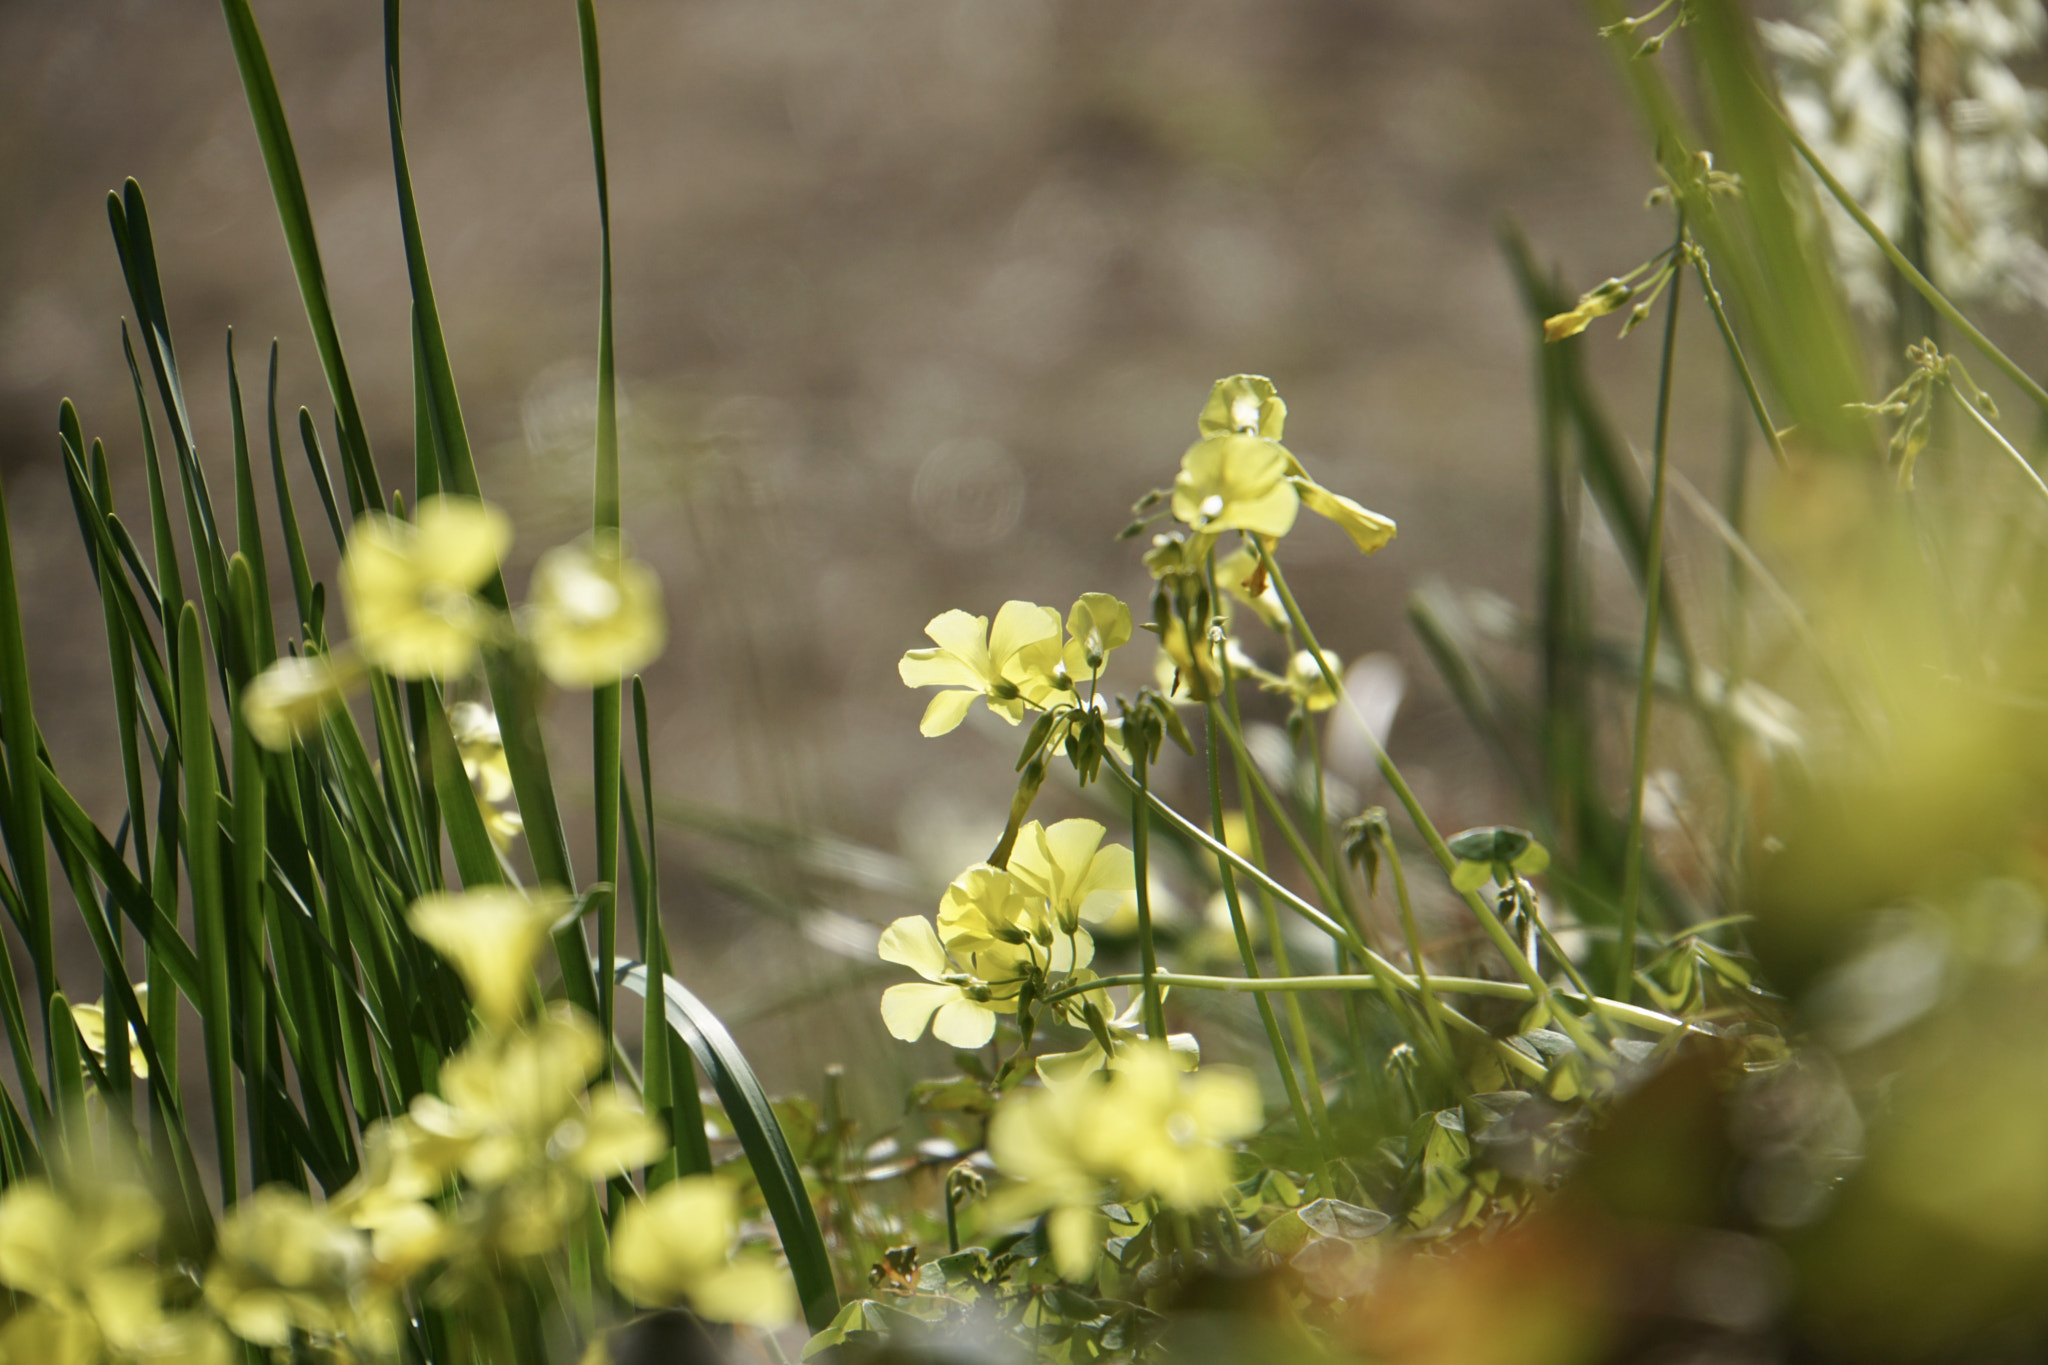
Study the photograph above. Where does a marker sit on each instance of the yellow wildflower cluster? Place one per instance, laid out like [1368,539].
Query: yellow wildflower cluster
[1141,1128]
[494,1170]
[416,595]
[1000,929]
[1019,663]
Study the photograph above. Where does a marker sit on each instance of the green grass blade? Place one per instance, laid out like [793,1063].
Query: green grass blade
[209,905]
[288,187]
[605,702]
[22,825]
[287,514]
[668,1076]
[170,584]
[476,858]
[260,635]
[309,437]
[760,1137]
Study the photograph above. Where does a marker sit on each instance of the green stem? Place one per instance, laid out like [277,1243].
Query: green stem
[1741,362]
[1297,1023]
[1148,953]
[1999,437]
[1302,1120]
[1646,682]
[1413,934]
[1636,1016]
[1488,921]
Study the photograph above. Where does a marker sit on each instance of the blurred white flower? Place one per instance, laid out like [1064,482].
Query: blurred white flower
[1848,68]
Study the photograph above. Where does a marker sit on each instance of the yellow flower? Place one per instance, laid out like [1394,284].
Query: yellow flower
[81,1258]
[960,1007]
[985,909]
[1066,865]
[92,1028]
[593,614]
[1011,664]
[514,1105]
[283,1262]
[289,699]
[1243,405]
[411,587]
[676,1247]
[1097,624]
[1236,483]
[1164,1130]
[491,936]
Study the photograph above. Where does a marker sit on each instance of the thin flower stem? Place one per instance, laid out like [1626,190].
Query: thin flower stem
[1148,955]
[1636,1016]
[1999,436]
[1646,682]
[1740,361]
[1302,1118]
[1572,1027]
[1411,932]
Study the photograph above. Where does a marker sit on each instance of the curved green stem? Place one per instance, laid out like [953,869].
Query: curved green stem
[1620,1012]
[1646,682]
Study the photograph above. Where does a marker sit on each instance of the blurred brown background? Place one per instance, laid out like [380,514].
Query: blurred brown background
[914,298]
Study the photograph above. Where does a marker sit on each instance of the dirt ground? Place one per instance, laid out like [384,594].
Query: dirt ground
[914,298]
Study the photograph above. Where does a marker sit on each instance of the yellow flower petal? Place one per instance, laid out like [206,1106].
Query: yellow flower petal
[1368,529]
[945,713]
[964,1023]
[908,1008]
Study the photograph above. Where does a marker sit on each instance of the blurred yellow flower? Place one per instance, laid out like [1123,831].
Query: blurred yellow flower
[492,936]
[410,587]
[1306,680]
[676,1248]
[482,746]
[80,1258]
[1011,663]
[593,614]
[1143,1128]
[288,699]
[513,1105]
[1236,483]
[282,1263]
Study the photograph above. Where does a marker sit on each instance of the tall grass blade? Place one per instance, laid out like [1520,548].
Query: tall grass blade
[760,1137]
[288,187]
